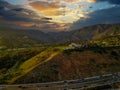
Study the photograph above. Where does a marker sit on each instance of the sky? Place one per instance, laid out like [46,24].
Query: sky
[58,15]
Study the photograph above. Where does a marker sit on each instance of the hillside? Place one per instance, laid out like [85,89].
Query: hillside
[111,40]
[57,63]
[31,56]
[76,64]
[54,64]
[12,38]
[88,33]
[17,66]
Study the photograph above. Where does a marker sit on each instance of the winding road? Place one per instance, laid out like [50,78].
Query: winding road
[78,84]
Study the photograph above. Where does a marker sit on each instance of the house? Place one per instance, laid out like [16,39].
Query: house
[74,45]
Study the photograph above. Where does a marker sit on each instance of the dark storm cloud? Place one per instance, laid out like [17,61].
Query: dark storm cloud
[16,13]
[16,16]
[111,1]
[105,16]
[7,11]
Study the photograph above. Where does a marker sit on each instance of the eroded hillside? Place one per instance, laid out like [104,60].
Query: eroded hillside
[76,64]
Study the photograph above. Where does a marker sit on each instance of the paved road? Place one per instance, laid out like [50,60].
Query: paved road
[79,84]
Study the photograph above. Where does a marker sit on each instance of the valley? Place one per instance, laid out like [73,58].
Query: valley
[59,44]
[25,57]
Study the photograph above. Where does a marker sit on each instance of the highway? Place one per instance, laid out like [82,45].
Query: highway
[78,84]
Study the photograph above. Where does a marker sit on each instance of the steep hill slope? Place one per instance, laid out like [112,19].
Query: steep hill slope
[56,63]
[76,64]
[87,33]
[97,31]
[111,40]
[59,63]
[27,65]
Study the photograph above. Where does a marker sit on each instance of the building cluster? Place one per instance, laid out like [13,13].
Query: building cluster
[74,45]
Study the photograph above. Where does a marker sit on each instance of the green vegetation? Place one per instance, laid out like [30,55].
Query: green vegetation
[24,59]
[108,41]
[25,62]
[58,63]
[10,60]
[12,38]
[15,38]
[77,64]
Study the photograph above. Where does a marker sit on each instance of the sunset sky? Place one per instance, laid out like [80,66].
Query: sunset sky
[58,15]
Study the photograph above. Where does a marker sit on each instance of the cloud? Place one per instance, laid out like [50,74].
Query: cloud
[19,13]
[104,16]
[57,15]
[12,15]
[110,1]
[15,13]
[45,8]
[43,5]
[41,14]
[114,1]
[91,0]
[58,12]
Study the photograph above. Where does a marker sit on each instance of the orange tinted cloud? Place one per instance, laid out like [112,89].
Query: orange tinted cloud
[41,26]
[23,23]
[43,5]
[91,0]
[72,1]
[45,8]
[57,12]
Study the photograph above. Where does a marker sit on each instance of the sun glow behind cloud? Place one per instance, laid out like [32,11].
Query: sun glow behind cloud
[62,12]
[54,15]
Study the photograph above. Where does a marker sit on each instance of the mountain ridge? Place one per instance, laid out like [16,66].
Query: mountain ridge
[54,38]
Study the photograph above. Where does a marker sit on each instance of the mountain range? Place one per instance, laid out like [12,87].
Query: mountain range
[23,37]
